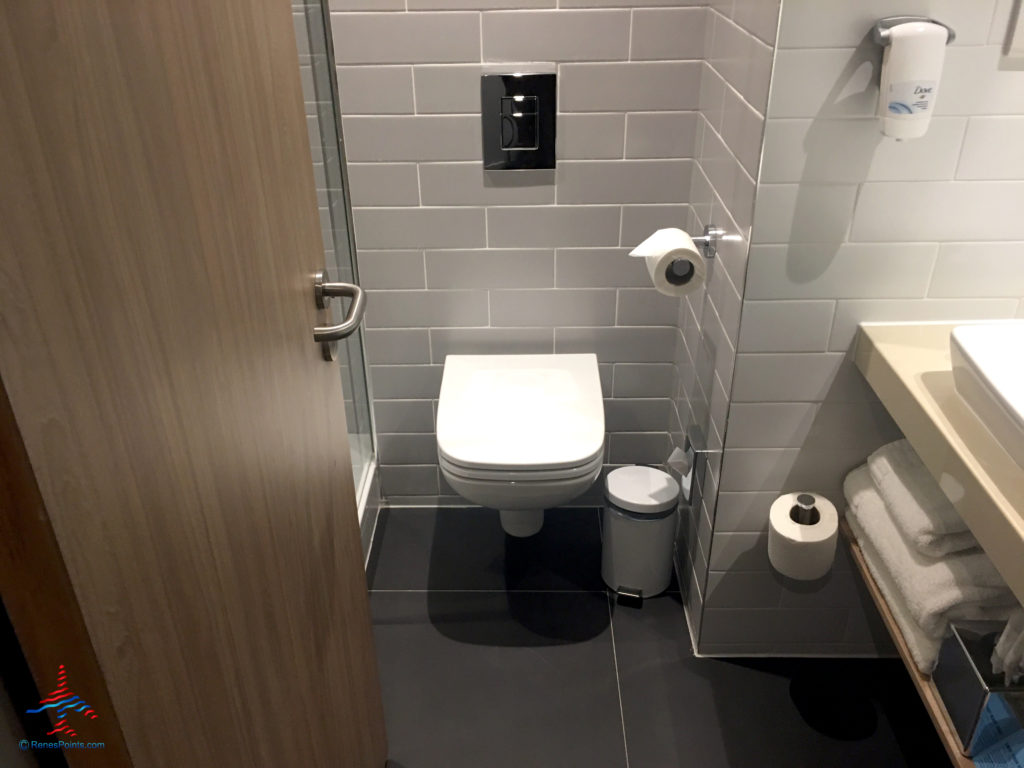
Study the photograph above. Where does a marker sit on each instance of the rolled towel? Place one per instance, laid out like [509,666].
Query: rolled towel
[918,506]
[959,586]
[923,649]
[1008,655]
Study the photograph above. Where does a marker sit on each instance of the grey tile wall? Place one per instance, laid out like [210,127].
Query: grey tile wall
[850,226]
[457,260]
[734,81]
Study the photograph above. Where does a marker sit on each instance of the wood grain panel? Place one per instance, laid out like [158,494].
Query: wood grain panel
[156,256]
[41,603]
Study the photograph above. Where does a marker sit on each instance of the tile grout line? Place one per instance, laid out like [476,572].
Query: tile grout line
[618,681]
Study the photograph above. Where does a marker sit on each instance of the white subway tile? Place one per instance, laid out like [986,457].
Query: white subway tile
[390,228]
[743,510]
[853,150]
[797,377]
[552,226]
[981,270]
[375,90]
[741,130]
[426,309]
[366,5]
[599,268]
[803,213]
[470,184]
[826,82]
[623,181]
[491,269]
[447,88]
[483,5]
[759,17]
[816,24]
[406,449]
[619,345]
[612,87]
[562,35]
[636,415]
[848,271]
[389,184]
[739,552]
[974,83]
[661,134]
[933,210]
[403,416]
[640,221]
[638,447]
[596,136]
[785,326]
[482,341]
[406,381]
[643,379]
[993,149]
[409,480]
[645,306]
[403,345]
[743,60]
[405,38]
[391,269]
[850,313]
[667,33]
[408,137]
[564,307]
[770,425]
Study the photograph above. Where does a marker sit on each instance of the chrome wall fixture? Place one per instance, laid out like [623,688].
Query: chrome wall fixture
[712,236]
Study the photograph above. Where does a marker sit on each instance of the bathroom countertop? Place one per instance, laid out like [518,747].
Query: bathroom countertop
[908,365]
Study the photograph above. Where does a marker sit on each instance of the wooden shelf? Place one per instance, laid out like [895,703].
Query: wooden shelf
[925,687]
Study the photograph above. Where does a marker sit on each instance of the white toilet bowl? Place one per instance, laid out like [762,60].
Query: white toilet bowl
[520,433]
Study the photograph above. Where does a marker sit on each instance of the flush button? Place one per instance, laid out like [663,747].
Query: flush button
[518,120]
[519,129]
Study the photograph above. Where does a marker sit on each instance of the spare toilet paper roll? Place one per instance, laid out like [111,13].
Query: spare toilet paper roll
[802,533]
[674,263]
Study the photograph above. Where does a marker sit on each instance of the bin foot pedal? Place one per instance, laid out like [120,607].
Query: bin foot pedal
[632,598]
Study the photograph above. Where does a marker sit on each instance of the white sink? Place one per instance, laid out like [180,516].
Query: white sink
[988,371]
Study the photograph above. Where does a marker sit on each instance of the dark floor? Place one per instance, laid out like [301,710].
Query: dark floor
[509,653]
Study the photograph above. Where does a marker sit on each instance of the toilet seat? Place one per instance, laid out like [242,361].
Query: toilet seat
[522,475]
[520,417]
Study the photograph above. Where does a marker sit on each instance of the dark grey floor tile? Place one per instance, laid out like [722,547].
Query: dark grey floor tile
[793,713]
[465,548]
[502,680]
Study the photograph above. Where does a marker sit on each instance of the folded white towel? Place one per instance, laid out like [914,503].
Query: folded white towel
[923,649]
[1008,655]
[918,506]
[958,586]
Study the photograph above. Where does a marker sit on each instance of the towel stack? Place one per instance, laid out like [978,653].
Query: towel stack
[1008,655]
[927,564]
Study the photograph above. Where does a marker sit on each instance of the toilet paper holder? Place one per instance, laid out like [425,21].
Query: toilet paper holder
[710,239]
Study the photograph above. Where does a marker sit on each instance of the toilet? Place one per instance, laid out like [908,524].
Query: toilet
[520,433]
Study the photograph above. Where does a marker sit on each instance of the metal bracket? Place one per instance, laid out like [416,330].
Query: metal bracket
[710,239]
[880,32]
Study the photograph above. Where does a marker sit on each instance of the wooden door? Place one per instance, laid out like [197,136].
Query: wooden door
[158,240]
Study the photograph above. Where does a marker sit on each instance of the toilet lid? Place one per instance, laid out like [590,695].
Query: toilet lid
[520,411]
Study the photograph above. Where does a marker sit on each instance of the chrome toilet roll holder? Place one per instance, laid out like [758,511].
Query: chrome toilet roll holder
[710,239]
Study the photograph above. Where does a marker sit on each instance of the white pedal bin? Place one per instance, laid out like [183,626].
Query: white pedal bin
[638,530]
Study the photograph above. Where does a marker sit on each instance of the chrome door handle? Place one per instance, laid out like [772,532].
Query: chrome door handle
[323,292]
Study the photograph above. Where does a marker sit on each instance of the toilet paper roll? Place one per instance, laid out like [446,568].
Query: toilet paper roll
[675,264]
[802,533]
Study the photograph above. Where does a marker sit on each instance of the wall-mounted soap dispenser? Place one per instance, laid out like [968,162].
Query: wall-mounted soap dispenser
[915,48]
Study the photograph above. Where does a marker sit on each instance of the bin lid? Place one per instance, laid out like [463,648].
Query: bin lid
[641,489]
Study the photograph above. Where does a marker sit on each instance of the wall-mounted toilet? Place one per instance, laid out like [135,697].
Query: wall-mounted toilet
[520,433]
